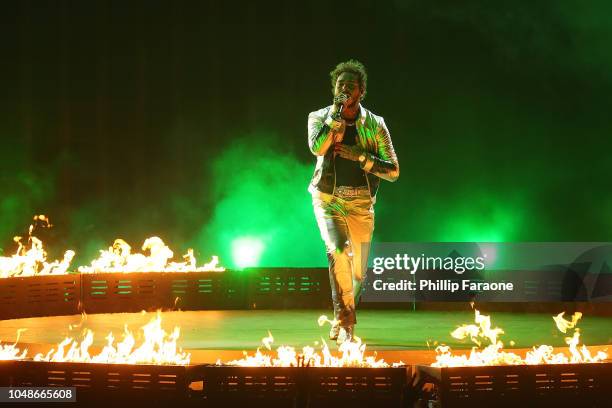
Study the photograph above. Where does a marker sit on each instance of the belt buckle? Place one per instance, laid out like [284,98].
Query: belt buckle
[348,191]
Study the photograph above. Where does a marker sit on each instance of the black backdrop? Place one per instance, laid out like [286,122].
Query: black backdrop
[134,118]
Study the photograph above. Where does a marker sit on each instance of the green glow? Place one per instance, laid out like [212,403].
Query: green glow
[23,193]
[502,134]
[481,218]
[247,251]
[260,190]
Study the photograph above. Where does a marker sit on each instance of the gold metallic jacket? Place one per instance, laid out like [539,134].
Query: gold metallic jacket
[374,138]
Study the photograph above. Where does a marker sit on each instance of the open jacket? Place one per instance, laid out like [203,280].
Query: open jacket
[374,138]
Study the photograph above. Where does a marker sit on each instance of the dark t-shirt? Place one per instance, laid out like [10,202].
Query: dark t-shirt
[348,172]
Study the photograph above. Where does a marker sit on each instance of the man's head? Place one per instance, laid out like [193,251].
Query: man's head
[350,78]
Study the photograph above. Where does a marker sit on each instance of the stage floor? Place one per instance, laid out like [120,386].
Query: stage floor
[244,329]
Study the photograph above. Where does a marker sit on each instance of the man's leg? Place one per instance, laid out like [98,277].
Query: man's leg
[330,214]
[360,224]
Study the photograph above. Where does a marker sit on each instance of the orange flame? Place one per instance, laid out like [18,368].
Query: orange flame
[351,354]
[563,324]
[119,258]
[11,351]
[32,261]
[158,347]
[493,354]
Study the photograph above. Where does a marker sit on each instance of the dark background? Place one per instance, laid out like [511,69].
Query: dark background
[187,120]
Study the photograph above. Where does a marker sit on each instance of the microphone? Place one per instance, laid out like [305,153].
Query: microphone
[342,98]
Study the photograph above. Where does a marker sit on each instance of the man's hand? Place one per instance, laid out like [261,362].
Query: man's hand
[348,152]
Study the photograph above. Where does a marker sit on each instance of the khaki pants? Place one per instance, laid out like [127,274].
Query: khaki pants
[346,224]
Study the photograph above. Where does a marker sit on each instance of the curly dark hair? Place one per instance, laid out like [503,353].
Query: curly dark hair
[352,66]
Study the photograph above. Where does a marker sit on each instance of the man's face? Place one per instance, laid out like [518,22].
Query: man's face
[348,84]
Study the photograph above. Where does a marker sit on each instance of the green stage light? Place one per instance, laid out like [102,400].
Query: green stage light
[246,251]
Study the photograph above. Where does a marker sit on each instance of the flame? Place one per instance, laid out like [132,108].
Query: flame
[158,347]
[76,326]
[493,353]
[32,261]
[477,332]
[351,354]
[563,324]
[119,258]
[267,341]
[323,319]
[11,351]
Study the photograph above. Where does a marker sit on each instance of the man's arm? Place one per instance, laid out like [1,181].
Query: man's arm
[384,164]
[322,131]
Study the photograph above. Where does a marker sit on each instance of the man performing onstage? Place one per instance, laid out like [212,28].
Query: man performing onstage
[354,151]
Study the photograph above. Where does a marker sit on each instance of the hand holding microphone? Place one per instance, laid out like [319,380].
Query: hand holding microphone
[339,101]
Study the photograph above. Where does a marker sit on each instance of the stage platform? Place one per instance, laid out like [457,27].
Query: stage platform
[410,336]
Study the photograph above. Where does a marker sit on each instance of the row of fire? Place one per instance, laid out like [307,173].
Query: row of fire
[30,258]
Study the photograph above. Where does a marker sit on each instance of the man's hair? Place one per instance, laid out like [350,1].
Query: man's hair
[354,67]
